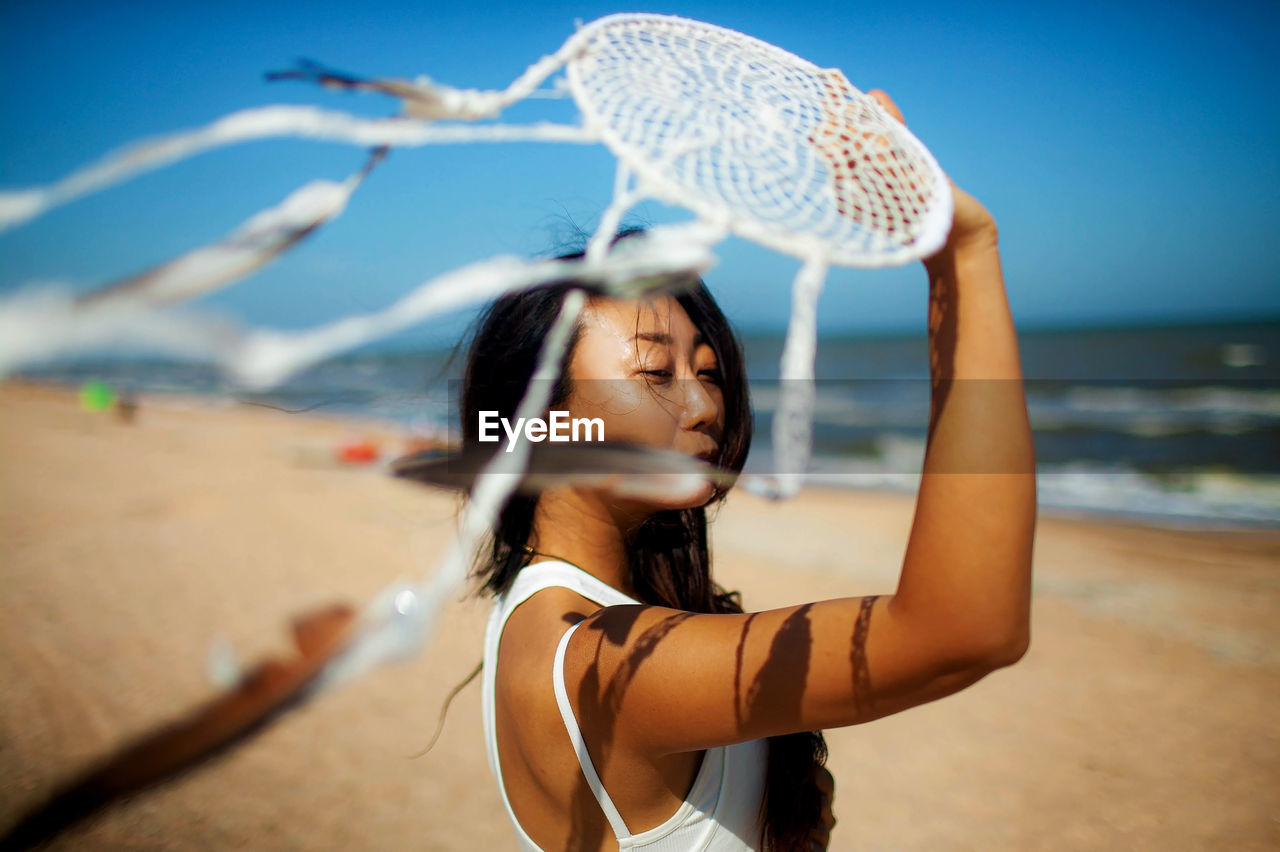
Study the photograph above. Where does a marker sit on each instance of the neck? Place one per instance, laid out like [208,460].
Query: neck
[585,530]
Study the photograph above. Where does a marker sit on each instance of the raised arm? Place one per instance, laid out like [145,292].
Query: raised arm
[679,682]
[965,590]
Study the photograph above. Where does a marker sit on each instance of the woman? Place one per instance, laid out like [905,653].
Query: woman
[629,702]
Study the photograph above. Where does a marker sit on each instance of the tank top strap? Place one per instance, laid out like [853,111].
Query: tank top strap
[546,575]
[532,579]
[579,745]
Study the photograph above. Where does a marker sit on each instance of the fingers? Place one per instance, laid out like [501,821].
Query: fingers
[887,102]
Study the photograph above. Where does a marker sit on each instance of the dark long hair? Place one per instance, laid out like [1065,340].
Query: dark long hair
[668,555]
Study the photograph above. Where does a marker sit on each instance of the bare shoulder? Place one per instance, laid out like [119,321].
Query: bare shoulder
[532,633]
[540,772]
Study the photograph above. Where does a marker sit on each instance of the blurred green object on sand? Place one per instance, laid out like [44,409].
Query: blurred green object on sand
[97,396]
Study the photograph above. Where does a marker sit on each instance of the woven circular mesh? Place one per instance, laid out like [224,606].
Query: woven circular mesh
[790,154]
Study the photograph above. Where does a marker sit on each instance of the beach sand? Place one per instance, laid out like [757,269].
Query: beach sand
[1144,715]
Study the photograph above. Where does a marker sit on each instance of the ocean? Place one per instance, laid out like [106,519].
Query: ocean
[1172,424]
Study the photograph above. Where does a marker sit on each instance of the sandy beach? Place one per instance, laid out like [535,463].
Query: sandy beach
[1143,717]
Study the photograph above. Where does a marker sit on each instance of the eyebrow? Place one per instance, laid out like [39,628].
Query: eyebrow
[665,339]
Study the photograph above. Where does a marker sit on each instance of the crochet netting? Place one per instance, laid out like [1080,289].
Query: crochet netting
[730,126]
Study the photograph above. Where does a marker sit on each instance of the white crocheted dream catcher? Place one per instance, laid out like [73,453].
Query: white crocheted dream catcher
[753,140]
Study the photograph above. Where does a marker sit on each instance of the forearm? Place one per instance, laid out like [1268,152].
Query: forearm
[967,571]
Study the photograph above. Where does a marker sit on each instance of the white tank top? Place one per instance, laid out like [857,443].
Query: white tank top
[721,812]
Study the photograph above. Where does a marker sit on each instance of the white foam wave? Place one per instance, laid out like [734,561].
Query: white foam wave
[1199,498]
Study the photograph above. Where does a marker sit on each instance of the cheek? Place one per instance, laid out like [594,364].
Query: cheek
[721,417]
[632,412]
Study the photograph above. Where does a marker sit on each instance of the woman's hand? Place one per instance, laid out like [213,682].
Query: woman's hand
[972,224]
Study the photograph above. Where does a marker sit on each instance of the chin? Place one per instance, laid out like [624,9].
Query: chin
[666,493]
[702,497]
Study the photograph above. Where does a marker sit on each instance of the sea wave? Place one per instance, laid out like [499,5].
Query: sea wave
[1201,498]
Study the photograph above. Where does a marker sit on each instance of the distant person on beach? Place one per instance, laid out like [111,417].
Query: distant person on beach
[629,701]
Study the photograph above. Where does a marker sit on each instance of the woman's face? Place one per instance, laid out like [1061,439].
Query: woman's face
[643,368]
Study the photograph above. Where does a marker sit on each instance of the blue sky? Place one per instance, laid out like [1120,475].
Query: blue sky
[1129,151]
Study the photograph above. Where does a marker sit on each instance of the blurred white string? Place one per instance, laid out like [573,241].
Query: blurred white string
[19,206]
[793,418]
[397,623]
[40,324]
[253,245]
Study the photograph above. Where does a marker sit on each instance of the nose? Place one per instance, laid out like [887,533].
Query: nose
[701,408]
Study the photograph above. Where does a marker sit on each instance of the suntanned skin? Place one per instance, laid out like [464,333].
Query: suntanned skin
[653,687]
